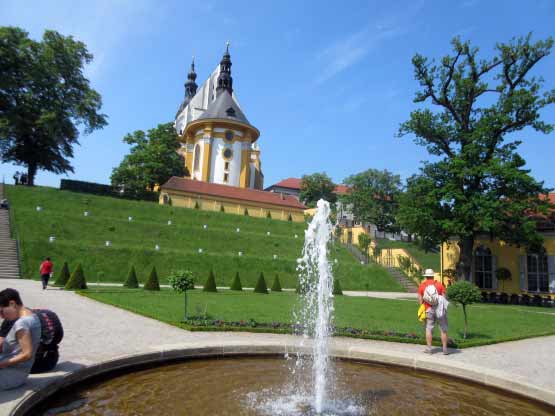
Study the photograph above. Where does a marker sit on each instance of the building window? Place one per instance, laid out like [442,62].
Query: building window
[227,153]
[226,166]
[196,165]
[538,276]
[228,135]
[226,177]
[483,265]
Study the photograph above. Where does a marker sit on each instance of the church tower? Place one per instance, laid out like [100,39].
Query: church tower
[218,142]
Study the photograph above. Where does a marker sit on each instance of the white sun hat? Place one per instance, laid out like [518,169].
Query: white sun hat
[429,273]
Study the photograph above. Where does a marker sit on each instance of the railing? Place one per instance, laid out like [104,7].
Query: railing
[14,234]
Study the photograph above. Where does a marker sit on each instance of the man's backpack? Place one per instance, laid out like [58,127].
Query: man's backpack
[52,331]
[430,295]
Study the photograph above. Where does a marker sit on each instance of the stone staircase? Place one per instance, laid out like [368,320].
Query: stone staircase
[403,280]
[406,282]
[9,257]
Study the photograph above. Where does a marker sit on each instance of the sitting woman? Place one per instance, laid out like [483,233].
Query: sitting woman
[19,346]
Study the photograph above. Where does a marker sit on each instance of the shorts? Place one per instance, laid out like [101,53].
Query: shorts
[431,320]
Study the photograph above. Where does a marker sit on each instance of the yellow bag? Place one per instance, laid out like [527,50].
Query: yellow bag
[422,313]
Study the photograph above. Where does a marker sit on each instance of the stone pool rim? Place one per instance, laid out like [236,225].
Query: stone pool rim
[456,370]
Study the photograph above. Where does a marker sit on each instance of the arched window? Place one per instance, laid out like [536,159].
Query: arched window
[196,165]
[483,268]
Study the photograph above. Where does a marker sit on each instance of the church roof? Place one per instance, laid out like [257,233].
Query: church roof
[224,107]
[232,192]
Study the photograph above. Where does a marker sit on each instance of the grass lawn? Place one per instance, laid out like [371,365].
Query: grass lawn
[428,260]
[383,318]
[80,239]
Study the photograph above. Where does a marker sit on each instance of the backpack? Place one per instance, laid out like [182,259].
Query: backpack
[430,295]
[441,308]
[52,331]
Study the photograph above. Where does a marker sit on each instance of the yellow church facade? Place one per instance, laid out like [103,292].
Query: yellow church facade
[531,273]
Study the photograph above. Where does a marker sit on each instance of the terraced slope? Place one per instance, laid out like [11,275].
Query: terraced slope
[80,238]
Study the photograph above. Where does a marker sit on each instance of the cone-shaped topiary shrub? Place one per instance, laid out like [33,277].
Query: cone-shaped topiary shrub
[152,281]
[276,286]
[290,218]
[197,206]
[269,215]
[261,285]
[131,282]
[246,212]
[210,285]
[222,209]
[77,280]
[64,276]
[337,287]
[236,284]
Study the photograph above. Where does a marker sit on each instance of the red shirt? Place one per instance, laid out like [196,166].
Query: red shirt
[46,267]
[439,287]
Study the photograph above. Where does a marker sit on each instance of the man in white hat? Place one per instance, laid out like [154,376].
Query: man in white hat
[429,293]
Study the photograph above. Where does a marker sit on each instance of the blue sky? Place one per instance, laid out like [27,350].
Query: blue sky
[326,83]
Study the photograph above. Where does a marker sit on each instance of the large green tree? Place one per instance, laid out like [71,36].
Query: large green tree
[373,196]
[153,159]
[317,186]
[44,100]
[478,182]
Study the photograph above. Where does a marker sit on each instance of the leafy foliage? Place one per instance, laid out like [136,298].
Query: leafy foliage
[374,197]
[64,276]
[152,282]
[236,284]
[479,184]
[182,281]
[44,100]
[464,293]
[77,280]
[152,160]
[131,282]
[261,285]
[317,186]
[364,243]
[502,274]
[210,284]
[276,285]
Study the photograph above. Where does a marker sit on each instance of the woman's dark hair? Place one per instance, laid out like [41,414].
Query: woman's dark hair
[7,295]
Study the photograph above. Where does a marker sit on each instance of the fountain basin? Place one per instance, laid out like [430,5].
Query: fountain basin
[435,364]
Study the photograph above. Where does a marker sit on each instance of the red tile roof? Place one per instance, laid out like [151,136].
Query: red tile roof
[225,191]
[295,183]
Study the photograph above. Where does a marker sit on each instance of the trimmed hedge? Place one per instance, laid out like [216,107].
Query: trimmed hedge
[261,285]
[131,282]
[152,282]
[77,280]
[276,286]
[337,287]
[104,190]
[64,276]
[210,284]
[236,284]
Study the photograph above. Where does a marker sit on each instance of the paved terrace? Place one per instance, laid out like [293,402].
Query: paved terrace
[99,336]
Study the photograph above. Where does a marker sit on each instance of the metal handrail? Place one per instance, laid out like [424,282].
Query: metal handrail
[14,232]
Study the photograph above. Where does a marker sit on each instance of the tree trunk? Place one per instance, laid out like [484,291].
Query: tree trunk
[464,265]
[465,321]
[31,173]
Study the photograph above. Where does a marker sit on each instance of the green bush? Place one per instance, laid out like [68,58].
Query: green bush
[77,280]
[236,284]
[269,215]
[197,206]
[222,209]
[464,293]
[152,281]
[181,281]
[64,276]
[276,286]
[210,285]
[261,285]
[503,274]
[131,282]
[337,287]
[246,212]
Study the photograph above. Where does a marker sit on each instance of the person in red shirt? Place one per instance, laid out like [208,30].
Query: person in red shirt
[431,317]
[46,268]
